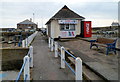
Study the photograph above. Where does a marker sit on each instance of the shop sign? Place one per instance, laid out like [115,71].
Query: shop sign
[67,21]
[65,34]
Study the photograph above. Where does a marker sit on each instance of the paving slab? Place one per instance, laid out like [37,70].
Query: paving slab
[104,70]
[106,66]
[46,66]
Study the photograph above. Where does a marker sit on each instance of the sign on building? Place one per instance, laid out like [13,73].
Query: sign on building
[67,21]
[65,34]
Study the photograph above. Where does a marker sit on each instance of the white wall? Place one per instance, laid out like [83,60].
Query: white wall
[55,28]
[78,28]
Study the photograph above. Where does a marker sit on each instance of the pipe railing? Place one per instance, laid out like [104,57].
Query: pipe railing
[27,63]
[54,46]
[28,40]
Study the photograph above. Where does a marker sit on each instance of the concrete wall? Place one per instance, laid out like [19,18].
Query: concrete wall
[12,58]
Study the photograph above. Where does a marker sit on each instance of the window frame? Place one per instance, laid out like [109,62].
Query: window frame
[63,27]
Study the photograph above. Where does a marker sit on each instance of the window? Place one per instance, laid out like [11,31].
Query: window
[67,27]
[62,27]
[72,27]
[18,25]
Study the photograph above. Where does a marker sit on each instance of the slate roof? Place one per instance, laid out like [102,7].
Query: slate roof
[65,12]
[26,22]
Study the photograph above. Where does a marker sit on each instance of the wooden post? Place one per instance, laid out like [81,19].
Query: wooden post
[52,44]
[78,69]
[62,57]
[49,41]
[31,56]
[26,68]
[56,49]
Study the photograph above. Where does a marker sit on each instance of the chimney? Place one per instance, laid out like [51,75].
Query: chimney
[31,19]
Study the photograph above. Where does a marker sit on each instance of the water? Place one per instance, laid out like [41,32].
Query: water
[8,75]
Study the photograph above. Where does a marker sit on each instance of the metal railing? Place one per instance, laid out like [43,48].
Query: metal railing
[54,46]
[28,40]
[27,63]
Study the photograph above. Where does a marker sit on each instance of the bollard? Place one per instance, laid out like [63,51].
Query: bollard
[49,41]
[31,56]
[52,44]
[26,68]
[62,57]
[56,49]
[23,43]
[78,69]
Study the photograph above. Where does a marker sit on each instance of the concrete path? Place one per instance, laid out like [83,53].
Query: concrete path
[46,66]
[106,66]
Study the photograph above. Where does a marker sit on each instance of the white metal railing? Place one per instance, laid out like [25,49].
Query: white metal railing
[28,40]
[27,63]
[54,46]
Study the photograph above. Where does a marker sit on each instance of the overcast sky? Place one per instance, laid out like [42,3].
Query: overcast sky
[100,12]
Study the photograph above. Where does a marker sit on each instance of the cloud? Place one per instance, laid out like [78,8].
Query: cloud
[14,12]
[63,1]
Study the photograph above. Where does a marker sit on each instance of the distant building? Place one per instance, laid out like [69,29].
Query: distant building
[27,25]
[115,24]
[65,23]
[7,29]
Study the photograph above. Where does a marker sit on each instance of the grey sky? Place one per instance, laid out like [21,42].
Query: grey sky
[100,13]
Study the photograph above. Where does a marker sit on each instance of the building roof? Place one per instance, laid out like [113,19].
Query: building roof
[115,24]
[26,22]
[65,12]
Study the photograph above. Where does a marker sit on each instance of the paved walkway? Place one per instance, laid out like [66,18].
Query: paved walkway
[106,66]
[46,66]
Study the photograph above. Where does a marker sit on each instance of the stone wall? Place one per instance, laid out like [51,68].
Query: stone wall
[12,58]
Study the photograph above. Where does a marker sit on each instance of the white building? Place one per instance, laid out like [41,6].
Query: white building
[64,24]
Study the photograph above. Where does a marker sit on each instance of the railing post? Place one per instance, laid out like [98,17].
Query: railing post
[78,69]
[56,49]
[31,56]
[26,41]
[49,41]
[26,68]
[52,44]
[62,57]
[23,43]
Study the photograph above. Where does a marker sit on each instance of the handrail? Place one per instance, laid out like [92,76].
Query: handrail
[21,71]
[69,53]
[26,42]
[70,67]
[28,62]
[26,77]
[54,46]
[28,53]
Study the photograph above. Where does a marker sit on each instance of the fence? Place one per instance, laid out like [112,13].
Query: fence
[28,40]
[54,46]
[27,63]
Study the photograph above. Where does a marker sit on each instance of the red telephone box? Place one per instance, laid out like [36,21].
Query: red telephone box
[86,29]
